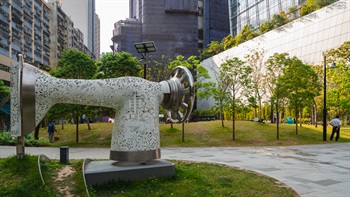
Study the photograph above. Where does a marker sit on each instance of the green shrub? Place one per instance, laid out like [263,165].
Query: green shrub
[7,139]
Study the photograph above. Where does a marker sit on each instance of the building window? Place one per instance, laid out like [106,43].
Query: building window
[273,4]
[262,12]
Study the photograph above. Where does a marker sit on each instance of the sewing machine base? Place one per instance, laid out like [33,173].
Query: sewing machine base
[101,172]
[134,156]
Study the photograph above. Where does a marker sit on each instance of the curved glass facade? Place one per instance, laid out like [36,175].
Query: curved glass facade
[305,38]
[255,12]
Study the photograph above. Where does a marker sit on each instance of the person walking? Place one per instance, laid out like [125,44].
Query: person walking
[51,129]
[336,127]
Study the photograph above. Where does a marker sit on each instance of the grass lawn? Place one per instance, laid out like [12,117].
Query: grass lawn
[204,134]
[17,177]
[21,178]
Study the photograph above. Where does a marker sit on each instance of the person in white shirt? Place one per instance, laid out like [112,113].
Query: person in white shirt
[336,127]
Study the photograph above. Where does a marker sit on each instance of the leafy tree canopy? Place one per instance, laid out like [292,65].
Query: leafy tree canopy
[118,65]
[75,64]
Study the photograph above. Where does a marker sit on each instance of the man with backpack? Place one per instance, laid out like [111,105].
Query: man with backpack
[51,129]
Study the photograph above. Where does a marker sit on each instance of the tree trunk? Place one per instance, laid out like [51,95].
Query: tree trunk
[301,117]
[255,113]
[233,124]
[271,115]
[259,108]
[62,123]
[88,123]
[296,121]
[183,132]
[277,121]
[222,117]
[36,131]
[233,117]
[315,115]
[221,114]
[77,130]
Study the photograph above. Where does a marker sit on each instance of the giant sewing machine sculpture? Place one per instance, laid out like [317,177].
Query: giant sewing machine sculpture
[135,136]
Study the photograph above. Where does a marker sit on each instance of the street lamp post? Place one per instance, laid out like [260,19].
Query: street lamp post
[325,97]
[324,100]
[144,48]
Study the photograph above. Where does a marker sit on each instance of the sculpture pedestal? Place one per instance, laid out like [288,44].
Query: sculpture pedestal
[101,172]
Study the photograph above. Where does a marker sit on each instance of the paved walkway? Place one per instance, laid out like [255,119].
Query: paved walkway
[311,170]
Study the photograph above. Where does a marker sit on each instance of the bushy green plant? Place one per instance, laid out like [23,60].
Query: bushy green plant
[31,141]
[7,139]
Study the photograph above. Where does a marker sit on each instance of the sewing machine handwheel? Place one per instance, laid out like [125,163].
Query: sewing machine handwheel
[181,84]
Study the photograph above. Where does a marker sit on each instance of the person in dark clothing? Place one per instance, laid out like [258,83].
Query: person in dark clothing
[51,130]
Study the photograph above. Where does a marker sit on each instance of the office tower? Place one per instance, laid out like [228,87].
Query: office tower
[97,37]
[82,14]
[176,27]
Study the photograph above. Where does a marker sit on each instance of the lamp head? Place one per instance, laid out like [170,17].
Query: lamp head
[333,65]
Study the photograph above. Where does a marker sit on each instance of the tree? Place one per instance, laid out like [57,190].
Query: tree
[220,90]
[274,67]
[160,71]
[338,87]
[255,61]
[74,64]
[299,84]
[118,65]
[236,83]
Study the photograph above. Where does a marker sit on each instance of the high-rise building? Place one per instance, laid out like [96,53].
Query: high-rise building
[255,12]
[214,22]
[172,25]
[181,27]
[97,37]
[82,14]
[38,30]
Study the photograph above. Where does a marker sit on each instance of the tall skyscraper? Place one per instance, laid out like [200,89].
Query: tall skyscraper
[97,37]
[256,12]
[82,14]
[172,25]
[177,27]
[39,30]
[215,24]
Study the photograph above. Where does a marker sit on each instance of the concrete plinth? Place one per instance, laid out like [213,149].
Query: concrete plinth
[100,172]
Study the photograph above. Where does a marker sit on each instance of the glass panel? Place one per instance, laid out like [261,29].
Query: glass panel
[262,11]
[242,5]
[252,16]
[250,2]
[273,4]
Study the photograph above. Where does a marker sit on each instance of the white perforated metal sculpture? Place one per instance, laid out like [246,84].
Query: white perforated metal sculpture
[135,134]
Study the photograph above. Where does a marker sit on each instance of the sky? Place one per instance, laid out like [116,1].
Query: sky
[110,12]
